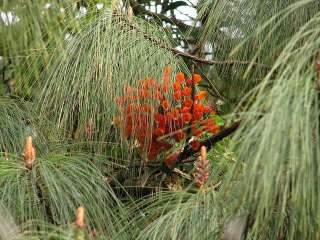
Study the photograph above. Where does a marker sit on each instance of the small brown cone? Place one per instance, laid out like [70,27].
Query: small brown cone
[202,168]
[80,218]
[29,153]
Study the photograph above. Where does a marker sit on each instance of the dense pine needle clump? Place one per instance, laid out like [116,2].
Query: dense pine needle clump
[119,120]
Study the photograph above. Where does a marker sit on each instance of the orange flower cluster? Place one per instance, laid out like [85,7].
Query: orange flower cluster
[148,112]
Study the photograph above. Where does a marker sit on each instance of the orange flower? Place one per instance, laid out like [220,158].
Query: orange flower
[158,95]
[189,82]
[197,116]
[165,104]
[165,88]
[167,71]
[198,108]
[181,135]
[144,94]
[156,148]
[210,126]
[187,117]
[188,103]
[177,95]
[180,77]
[195,144]
[130,108]
[185,110]
[214,129]
[128,130]
[129,90]
[197,78]
[207,109]
[151,82]
[169,117]
[159,131]
[171,160]
[176,86]
[207,123]
[166,74]
[147,108]
[197,132]
[186,91]
[160,119]
[143,84]
[116,121]
[201,95]
[121,100]
[175,114]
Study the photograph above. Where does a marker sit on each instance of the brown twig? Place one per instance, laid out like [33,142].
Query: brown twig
[188,151]
[215,62]
[175,51]
[184,156]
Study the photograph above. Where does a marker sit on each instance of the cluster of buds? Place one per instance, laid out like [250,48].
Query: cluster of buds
[155,109]
[80,217]
[29,153]
[202,168]
[80,233]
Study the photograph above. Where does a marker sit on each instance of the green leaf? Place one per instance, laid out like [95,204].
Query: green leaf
[219,120]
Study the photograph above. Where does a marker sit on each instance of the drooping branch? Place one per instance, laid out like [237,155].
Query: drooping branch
[215,62]
[194,58]
[209,143]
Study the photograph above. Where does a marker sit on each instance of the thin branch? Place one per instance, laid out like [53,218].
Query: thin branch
[194,58]
[184,156]
[44,203]
[139,9]
[188,151]
[215,62]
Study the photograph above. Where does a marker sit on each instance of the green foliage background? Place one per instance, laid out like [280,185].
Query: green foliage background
[61,70]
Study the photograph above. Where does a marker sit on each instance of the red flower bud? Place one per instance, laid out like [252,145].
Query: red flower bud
[177,95]
[195,144]
[180,77]
[197,78]
[187,91]
[176,86]
[165,104]
[186,117]
[188,103]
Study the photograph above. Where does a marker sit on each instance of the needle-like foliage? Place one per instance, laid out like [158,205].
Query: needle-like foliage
[231,27]
[18,120]
[53,189]
[278,150]
[69,69]
[109,54]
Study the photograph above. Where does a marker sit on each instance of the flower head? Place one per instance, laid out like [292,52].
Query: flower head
[180,77]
